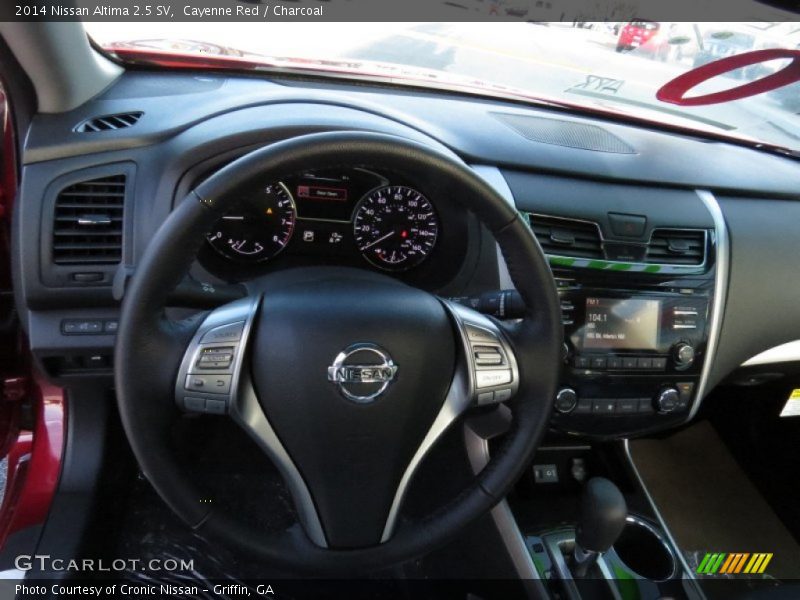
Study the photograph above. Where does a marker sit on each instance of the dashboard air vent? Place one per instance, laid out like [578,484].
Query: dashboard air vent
[677,247]
[567,237]
[109,122]
[87,228]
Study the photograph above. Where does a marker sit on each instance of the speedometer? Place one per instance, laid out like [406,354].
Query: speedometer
[395,227]
[258,229]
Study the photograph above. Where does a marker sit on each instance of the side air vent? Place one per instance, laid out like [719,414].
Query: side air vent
[109,122]
[87,227]
[567,237]
[571,134]
[677,247]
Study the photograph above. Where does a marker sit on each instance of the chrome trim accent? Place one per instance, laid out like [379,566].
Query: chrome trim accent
[478,453]
[463,393]
[242,403]
[788,352]
[553,544]
[247,412]
[722,256]
[657,534]
[689,574]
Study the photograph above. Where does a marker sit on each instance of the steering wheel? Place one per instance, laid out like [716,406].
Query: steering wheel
[345,378]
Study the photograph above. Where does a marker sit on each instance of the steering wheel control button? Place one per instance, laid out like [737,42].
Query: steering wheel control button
[487,355]
[486,398]
[215,358]
[566,400]
[216,407]
[211,384]
[193,404]
[362,372]
[479,335]
[502,395]
[224,333]
[492,377]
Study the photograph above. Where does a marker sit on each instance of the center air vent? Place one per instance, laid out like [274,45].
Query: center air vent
[677,247]
[567,237]
[109,122]
[87,227]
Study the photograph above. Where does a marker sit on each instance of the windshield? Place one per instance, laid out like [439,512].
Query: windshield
[612,66]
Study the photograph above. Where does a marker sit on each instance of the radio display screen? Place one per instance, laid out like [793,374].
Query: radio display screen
[616,324]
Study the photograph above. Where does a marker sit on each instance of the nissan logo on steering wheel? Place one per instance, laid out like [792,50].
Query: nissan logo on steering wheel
[362,372]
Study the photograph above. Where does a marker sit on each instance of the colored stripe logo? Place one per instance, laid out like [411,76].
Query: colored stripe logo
[721,563]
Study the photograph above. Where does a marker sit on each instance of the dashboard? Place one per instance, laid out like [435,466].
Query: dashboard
[674,242]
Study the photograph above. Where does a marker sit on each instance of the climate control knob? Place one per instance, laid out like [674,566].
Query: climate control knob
[683,354]
[566,400]
[667,400]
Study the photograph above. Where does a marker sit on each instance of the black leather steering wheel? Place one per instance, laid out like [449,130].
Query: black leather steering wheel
[344,377]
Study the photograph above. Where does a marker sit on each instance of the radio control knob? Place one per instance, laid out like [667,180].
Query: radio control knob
[667,400]
[683,354]
[566,400]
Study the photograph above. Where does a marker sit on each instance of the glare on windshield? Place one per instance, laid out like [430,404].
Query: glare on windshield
[618,65]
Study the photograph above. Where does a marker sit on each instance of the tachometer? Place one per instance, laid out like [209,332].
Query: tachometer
[258,229]
[395,227]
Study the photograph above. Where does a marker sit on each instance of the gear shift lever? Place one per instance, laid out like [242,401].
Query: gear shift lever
[602,518]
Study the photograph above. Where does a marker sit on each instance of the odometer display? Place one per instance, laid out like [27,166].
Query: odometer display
[395,227]
[258,229]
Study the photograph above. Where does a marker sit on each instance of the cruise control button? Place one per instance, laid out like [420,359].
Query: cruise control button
[224,333]
[213,384]
[492,377]
[485,398]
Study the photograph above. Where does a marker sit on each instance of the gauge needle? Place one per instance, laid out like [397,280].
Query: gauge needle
[380,239]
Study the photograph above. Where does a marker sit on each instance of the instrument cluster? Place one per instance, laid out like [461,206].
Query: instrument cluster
[351,216]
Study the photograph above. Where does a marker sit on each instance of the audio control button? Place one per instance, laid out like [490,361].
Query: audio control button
[683,354]
[566,400]
[667,400]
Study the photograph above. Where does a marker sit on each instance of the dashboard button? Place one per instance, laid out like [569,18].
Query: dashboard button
[584,406]
[81,326]
[581,362]
[625,225]
[629,362]
[615,362]
[598,362]
[645,363]
[605,406]
[628,405]
[645,406]
[660,363]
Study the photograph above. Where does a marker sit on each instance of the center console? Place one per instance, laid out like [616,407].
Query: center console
[634,349]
